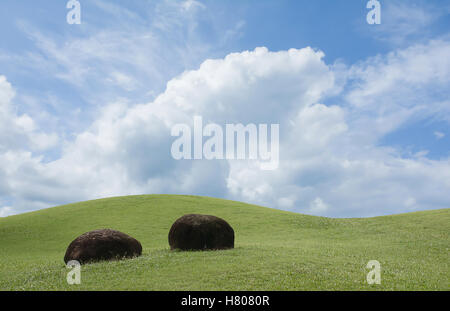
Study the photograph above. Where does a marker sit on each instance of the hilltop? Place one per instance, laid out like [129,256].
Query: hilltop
[274,250]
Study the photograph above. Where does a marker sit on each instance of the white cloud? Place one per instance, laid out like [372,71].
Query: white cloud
[439,135]
[386,91]
[191,4]
[401,21]
[153,44]
[409,202]
[6,211]
[318,207]
[330,160]
[6,94]
[122,80]
[19,130]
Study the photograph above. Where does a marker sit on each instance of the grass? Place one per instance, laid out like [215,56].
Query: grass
[275,250]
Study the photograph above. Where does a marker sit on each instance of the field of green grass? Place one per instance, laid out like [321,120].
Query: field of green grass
[274,250]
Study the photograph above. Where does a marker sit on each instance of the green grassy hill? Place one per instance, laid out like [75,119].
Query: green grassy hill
[275,250]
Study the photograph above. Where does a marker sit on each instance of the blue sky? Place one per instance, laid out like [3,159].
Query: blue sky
[364,111]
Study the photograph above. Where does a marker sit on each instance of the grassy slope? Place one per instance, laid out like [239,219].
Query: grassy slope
[275,250]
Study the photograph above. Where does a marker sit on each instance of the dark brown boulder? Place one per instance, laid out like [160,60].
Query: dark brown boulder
[104,244]
[201,232]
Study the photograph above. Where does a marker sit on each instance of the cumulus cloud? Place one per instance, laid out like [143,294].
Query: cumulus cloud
[318,207]
[331,162]
[6,211]
[19,131]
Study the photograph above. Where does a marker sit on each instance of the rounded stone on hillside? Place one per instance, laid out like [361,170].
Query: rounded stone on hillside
[201,232]
[104,244]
